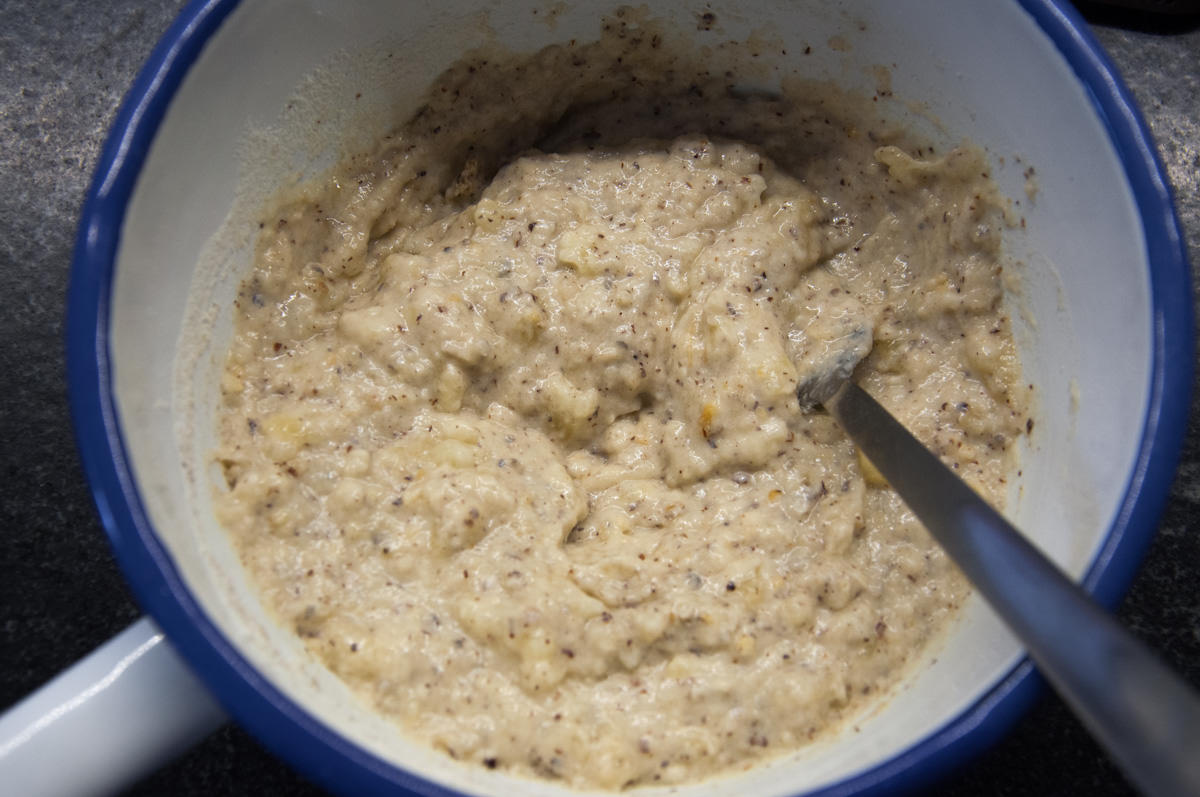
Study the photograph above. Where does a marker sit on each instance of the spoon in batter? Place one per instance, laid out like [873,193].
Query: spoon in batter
[1143,713]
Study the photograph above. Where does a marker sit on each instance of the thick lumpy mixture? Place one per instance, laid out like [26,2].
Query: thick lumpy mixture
[520,457]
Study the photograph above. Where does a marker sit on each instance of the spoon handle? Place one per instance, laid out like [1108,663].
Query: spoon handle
[1143,713]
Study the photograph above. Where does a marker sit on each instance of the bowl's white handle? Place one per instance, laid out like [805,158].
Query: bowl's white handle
[118,714]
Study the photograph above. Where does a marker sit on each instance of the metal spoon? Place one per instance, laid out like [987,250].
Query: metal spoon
[1139,710]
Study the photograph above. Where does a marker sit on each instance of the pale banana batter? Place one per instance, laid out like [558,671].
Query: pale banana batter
[518,453]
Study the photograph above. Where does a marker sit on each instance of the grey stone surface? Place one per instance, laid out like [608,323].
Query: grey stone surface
[63,69]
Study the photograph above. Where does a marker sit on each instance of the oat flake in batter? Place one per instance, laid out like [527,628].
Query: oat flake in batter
[519,457]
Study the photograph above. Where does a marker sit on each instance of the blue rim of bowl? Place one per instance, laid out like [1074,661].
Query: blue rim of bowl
[340,765]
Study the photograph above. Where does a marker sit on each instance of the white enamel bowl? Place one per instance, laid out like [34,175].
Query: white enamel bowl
[1104,325]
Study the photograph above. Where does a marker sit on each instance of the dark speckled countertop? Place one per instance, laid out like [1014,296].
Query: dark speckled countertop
[64,67]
